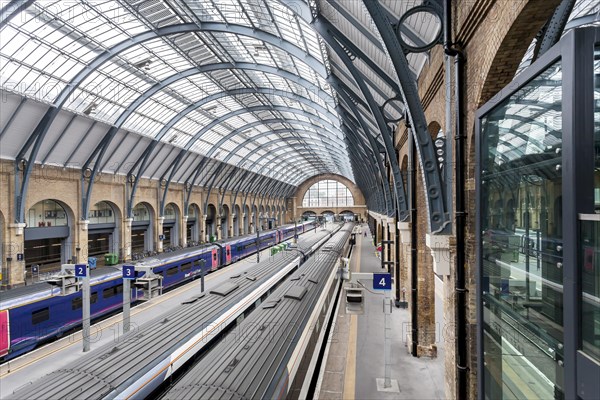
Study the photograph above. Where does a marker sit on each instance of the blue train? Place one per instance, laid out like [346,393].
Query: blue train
[35,314]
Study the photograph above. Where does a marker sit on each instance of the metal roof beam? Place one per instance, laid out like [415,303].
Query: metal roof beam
[439,220]
[24,163]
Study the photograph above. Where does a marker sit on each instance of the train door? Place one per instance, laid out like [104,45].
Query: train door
[4,333]
[228,254]
[277,236]
[215,260]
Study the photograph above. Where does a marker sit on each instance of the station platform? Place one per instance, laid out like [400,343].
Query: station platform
[355,353]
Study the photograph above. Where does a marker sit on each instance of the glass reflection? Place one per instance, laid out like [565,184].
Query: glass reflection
[589,251]
[522,242]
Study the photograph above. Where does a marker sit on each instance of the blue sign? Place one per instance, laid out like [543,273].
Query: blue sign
[161,237]
[382,281]
[80,270]
[19,256]
[128,272]
[92,262]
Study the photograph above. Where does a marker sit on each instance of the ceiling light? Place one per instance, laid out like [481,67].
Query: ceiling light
[91,109]
[145,64]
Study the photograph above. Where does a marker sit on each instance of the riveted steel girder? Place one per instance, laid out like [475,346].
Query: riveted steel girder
[434,190]
[375,149]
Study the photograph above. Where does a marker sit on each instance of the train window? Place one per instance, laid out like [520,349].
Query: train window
[109,292]
[214,256]
[113,291]
[94,298]
[172,271]
[76,303]
[40,316]
[228,252]
[186,267]
[238,248]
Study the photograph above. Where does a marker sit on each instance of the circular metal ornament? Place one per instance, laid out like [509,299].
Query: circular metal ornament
[410,13]
[388,102]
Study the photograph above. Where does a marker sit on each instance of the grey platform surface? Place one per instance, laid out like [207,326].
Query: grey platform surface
[361,337]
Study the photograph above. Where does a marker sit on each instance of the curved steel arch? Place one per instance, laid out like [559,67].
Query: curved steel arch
[175,164]
[241,183]
[236,132]
[35,140]
[261,122]
[438,219]
[203,69]
[327,31]
[317,144]
[374,148]
[142,160]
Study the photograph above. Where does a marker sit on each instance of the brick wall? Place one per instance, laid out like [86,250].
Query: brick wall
[494,36]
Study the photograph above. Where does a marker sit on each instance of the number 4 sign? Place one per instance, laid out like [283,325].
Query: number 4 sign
[382,281]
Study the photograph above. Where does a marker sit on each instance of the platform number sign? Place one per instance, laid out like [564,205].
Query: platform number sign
[80,270]
[128,272]
[382,281]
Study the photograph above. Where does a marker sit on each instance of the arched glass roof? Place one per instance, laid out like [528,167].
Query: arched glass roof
[194,84]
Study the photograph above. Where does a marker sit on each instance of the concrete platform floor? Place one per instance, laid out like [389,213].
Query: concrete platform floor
[355,355]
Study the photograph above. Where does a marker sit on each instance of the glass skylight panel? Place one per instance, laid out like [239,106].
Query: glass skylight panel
[205,11]
[188,125]
[200,146]
[169,99]
[232,11]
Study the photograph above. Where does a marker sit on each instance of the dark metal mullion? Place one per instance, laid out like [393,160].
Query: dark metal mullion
[578,195]
[438,218]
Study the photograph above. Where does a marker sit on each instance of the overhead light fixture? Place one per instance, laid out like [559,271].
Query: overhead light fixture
[91,109]
[145,64]
[211,109]
[173,138]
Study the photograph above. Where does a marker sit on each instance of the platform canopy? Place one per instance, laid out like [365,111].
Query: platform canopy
[206,92]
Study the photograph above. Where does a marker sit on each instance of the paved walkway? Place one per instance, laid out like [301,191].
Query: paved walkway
[356,356]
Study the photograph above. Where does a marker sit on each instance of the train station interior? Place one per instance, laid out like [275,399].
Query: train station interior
[214,199]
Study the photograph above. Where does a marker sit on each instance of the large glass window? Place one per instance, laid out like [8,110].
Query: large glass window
[589,248]
[521,231]
[101,213]
[328,193]
[141,213]
[46,213]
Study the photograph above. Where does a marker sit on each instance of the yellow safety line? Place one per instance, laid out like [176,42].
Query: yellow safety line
[350,371]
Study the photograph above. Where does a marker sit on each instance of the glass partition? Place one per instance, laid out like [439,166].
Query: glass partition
[589,253]
[589,244]
[521,241]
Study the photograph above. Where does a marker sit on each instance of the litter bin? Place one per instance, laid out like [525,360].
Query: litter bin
[111,259]
[212,238]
